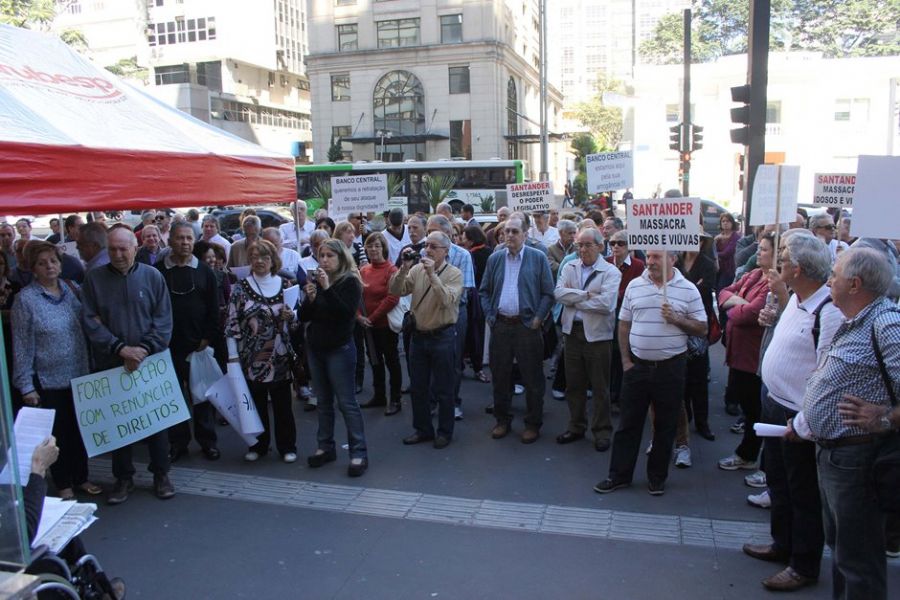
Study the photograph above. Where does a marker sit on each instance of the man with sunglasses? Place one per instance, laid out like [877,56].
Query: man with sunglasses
[823,228]
[195,319]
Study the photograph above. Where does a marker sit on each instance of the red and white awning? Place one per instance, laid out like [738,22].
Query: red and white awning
[75,137]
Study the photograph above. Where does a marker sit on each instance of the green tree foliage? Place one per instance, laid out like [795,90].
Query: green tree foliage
[129,68]
[604,122]
[582,144]
[38,15]
[837,28]
[335,152]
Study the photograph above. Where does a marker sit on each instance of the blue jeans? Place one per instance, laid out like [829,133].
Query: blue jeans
[332,379]
[432,375]
[854,525]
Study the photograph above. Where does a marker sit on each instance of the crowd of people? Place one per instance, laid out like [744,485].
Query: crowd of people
[622,332]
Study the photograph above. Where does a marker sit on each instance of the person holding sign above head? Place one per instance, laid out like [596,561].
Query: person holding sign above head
[127,317]
[258,332]
[332,300]
[195,319]
[656,318]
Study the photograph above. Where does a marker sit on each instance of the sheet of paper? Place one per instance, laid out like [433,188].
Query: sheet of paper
[32,426]
[769,430]
[291,295]
[54,510]
[241,272]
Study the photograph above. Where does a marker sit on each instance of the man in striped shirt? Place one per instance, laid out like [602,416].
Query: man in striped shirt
[659,311]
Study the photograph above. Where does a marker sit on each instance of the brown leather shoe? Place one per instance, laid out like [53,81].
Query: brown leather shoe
[787,581]
[500,430]
[529,436]
[765,552]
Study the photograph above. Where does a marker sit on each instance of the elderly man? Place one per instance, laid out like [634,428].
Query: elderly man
[562,247]
[237,256]
[127,317]
[164,222]
[311,260]
[398,235]
[802,334]
[491,230]
[823,227]
[209,231]
[195,319]
[414,234]
[542,231]
[468,215]
[516,296]
[655,320]
[7,237]
[301,225]
[91,245]
[151,245]
[445,210]
[588,289]
[72,226]
[609,227]
[436,287]
[290,260]
[148,217]
[849,410]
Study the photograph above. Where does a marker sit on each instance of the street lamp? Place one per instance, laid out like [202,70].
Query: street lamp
[383,134]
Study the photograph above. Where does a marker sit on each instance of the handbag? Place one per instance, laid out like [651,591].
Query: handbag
[397,314]
[886,468]
[714,329]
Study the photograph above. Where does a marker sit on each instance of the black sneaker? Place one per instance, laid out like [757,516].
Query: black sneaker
[162,487]
[608,485]
[120,491]
[656,489]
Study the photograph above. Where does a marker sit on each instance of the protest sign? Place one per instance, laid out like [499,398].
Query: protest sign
[874,203]
[358,193]
[536,196]
[231,405]
[664,224]
[401,202]
[833,189]
[610,171]
[115,408]
[772,203]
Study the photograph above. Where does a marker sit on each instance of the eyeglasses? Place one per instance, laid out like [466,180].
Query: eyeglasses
[435,246]
[585,245]
[512,231]
[618,243]
[831,227]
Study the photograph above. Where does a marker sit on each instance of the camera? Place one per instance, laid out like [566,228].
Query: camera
[410,255]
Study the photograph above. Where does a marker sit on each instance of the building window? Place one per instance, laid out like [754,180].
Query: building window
[512,119]
[344,2]
[338,134]
[399,108]
[172,74]
[397,33]
[773,112]
[340,87]
[851,110]
[181,31]
[461,139]
[347,38]
[451,29]
[210,75]
[459,80]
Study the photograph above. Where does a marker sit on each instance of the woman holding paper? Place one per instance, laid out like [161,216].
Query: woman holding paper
[743,300]
[330,308]
[50,351]
[258,331]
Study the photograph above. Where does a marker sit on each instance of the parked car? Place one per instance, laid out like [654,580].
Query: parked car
[229,219]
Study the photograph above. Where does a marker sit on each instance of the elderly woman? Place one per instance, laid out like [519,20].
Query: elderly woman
[726,244]
[50,350]
[630,268]
[150,245]
[330,307]
[743,301]
[378,303]
[258,331]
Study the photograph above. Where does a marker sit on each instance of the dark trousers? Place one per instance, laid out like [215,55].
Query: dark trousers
[475,331]
[386,351]
[854,525]
[587,365]
[462,321]
[359,340]
[285,428]
[745,388]
[515,341]
[662,387]
[696,389]
[157,444]
[615,368]
[431,377]
[796,515]
[559,377]
[203,415]
[71,468]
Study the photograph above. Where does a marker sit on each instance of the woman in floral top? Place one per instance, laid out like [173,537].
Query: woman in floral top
[258,331]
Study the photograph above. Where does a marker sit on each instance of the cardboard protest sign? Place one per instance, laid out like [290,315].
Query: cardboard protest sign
[115,408]
[358,193]
[609,171]
[536,196]
[664,224]
[834,189]
[236,405]
[766,195]
[874,202]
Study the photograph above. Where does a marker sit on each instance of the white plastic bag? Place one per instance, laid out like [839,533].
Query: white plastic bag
[205,372]
[395,316]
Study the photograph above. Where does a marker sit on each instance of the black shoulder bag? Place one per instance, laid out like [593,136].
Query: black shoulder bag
[886,469]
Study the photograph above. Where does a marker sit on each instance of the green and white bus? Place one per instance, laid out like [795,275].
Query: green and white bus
[481,183]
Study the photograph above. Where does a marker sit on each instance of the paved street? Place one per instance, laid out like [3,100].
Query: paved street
[481,519]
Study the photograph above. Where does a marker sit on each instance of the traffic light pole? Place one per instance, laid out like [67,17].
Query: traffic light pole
[757,78]
[686,109]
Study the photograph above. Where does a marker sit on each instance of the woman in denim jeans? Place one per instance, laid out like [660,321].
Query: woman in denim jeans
[332,300]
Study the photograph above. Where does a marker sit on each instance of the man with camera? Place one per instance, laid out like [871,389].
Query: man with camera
[436,287]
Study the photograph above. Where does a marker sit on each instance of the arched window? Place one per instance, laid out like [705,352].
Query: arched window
[512,119]
[399,109]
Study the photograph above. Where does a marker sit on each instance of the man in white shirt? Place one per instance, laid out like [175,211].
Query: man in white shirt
[588,290]
[301,225]
[655,320]
[804,329]
[823,227]
[541,231]
[397,234]
[210,233]
[290,259]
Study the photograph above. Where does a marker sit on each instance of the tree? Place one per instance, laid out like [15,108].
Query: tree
[128,68]
[604,122]
[582,144]
[335,151]
[38,15]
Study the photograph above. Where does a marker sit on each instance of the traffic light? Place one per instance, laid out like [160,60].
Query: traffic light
[696,137]
[741,115]
[675,138]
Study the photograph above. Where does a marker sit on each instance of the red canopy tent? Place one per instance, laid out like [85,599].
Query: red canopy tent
[75,137]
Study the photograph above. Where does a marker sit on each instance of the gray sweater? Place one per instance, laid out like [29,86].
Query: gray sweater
[125,310]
